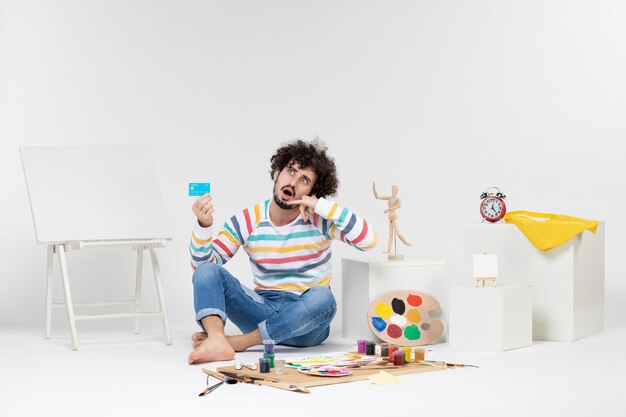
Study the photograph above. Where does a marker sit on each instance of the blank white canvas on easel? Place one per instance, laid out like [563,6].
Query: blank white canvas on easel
[94,193]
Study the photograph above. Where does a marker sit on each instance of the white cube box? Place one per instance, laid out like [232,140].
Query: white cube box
[365,279]
[490,318]
[567,281]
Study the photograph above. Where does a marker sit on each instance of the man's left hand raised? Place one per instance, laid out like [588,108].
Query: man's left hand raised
[307,205]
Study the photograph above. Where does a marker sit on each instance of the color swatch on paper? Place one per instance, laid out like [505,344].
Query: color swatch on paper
[326,370]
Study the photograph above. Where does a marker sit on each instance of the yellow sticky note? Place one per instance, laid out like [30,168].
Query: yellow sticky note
[383,378]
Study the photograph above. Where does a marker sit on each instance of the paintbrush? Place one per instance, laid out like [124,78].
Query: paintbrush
[450,365]
[240,376]
[372,365]
[460,365]
[222,378]
[281,385]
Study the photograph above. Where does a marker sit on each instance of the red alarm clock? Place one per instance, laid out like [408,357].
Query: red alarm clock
[492,206]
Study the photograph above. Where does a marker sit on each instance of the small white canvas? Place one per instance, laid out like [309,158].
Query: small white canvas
[486,265]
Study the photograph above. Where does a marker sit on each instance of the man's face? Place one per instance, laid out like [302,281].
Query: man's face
[291,184]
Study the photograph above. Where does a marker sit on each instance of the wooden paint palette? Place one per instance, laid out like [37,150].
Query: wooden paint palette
[405,318]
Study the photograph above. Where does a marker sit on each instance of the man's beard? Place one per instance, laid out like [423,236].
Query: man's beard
[280,203]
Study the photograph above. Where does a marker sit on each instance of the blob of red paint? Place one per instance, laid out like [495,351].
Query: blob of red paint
[414,300]
[394,331]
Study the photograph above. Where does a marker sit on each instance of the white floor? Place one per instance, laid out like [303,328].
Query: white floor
[125,374]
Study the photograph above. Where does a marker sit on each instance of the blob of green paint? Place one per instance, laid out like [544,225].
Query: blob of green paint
[412,332]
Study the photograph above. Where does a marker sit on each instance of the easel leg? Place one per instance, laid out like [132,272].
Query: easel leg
[138,285]
[159,285]
[68,296]
[50,261]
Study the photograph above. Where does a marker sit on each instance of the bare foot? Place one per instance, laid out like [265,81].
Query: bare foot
[242,342]
[238,342]
[211,350]
[197,338]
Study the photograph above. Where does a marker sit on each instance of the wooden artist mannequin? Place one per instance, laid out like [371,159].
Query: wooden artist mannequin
[393,203]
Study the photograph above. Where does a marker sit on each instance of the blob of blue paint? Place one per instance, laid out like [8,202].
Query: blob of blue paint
[378,323]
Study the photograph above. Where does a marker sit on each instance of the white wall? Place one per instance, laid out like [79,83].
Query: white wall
[444,98]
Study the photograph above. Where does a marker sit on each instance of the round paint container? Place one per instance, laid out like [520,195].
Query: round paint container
[398,358]
[384,350]
[361,345]
[408,354]
[392,349]
[419,354]
[370,348]
[264,365]
[268,346]
[279,366]
[269,356]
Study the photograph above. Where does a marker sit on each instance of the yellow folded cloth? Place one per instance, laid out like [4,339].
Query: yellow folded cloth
[547,231]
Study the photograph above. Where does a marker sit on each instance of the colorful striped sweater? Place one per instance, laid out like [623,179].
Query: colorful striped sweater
[293,257]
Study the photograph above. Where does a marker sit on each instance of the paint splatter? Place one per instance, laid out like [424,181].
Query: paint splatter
[378,323]
[412,332]
[383,310]
[394,331]
[398,306]
[398,320]
[413,315]
[425,327]
[414,300]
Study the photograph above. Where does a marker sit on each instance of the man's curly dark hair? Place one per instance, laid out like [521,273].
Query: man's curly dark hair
[310,155]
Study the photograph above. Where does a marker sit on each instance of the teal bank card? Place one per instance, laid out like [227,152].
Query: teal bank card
[199,188]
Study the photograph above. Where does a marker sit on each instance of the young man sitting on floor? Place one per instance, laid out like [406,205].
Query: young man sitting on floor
[288,240]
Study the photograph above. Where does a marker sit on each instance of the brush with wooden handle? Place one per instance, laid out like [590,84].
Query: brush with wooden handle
[262,381]
[282,385]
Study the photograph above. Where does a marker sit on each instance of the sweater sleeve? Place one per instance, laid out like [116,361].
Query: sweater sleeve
[203,248]
[345,225]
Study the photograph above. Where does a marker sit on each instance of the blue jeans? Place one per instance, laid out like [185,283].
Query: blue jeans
[287,318]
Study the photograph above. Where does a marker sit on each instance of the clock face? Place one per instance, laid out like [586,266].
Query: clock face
[492,209]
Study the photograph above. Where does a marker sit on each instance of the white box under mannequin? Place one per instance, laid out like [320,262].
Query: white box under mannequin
[567,281]
[365,279]
[490,318]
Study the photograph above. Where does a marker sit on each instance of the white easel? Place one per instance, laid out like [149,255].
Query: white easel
[96,196]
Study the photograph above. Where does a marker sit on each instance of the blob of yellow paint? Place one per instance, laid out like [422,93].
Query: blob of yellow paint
[383,310]
[413,316]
